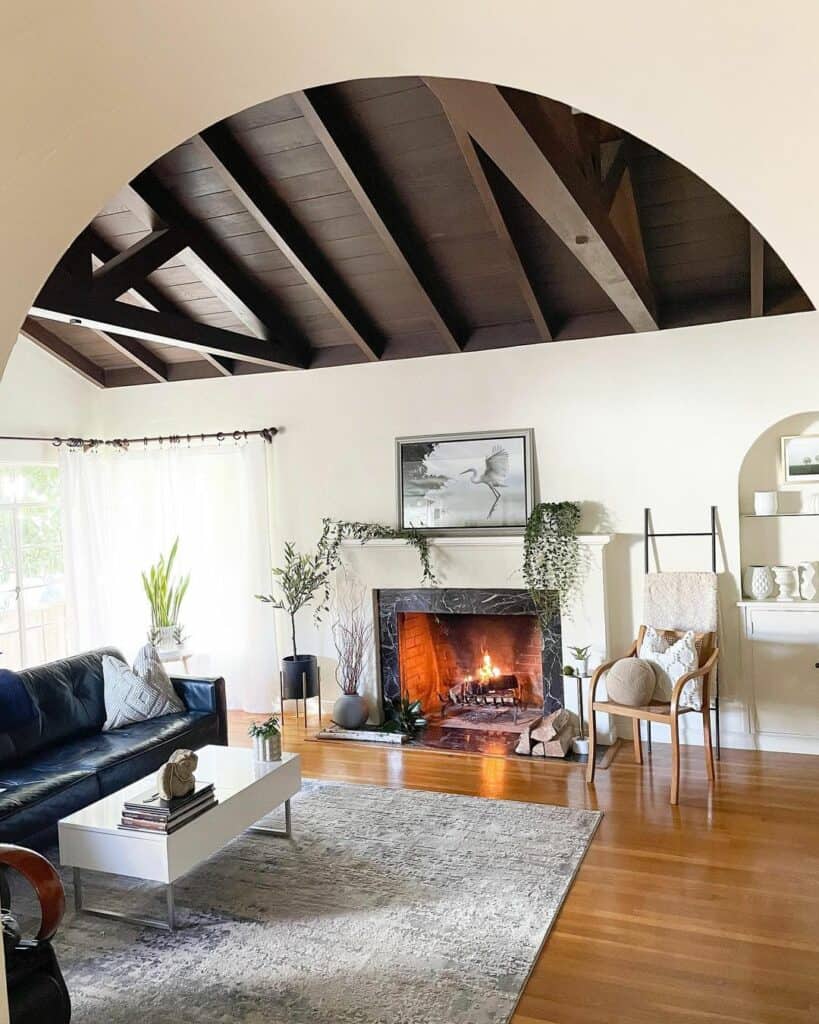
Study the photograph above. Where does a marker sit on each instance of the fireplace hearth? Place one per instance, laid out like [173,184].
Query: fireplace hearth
[481,662]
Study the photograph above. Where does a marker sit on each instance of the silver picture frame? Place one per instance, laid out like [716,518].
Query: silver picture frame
[800,459]
[501,466]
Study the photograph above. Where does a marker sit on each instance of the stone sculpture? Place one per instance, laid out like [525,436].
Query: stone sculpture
[176,778]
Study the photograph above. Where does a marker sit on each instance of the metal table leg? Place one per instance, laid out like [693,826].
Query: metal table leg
[286,833]
[168,925]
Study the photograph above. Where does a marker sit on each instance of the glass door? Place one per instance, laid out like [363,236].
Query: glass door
[32,586]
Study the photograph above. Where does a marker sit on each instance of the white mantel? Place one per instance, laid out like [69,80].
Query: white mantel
[494,562]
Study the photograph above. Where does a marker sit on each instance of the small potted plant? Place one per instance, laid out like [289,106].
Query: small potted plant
[581,658]
[165,595]
[353,639]
[267,739]
[404,715]
[298,580]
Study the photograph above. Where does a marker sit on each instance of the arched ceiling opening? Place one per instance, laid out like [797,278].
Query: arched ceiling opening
[396,217]
[92,98]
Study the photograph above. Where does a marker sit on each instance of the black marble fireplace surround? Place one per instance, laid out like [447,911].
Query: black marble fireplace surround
[452,601]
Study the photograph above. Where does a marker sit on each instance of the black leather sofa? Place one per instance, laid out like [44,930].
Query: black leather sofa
[61,761]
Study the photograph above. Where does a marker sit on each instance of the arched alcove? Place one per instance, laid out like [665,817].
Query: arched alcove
[792,535]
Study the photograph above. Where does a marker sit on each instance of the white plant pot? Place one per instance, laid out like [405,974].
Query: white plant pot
[267,748]
[766,503]
[758,582]
[165,638]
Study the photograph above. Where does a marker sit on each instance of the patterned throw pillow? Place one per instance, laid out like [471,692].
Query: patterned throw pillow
[135,695]
[671,661]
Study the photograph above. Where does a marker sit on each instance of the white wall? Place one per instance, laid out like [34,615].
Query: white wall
[697,82]
[39,397]
[662,420]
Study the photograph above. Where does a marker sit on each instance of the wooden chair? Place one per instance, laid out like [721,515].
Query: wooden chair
[657,711]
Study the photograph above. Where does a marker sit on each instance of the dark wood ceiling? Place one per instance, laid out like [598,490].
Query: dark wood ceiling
[389,218]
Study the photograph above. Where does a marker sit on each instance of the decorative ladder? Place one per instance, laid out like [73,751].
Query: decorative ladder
[648,535]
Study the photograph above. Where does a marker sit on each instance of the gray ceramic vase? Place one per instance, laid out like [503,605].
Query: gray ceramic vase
[351,711]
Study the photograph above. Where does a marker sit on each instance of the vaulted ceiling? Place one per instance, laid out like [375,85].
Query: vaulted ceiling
[390,218]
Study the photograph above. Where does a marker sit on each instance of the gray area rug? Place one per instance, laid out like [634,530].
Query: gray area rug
[388,905]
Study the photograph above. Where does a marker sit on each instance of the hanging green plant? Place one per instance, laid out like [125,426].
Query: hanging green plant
[334,531]
[553,564]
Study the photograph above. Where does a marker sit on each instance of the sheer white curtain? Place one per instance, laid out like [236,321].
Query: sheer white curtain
[121,510]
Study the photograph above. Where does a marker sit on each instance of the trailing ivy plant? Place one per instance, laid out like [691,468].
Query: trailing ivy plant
[334,531]
[553,564]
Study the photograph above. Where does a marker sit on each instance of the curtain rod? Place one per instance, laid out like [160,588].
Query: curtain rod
[90,444]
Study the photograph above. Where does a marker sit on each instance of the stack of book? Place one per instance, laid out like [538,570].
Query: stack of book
[148,811]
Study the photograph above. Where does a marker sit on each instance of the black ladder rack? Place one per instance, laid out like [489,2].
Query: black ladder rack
[648,535]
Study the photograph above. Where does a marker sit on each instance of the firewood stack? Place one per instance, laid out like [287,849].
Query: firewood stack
[550,736]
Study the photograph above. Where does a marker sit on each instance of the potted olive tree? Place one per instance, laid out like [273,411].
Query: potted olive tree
[297,580]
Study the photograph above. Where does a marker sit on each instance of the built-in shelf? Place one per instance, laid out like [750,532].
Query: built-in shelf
[499,541]
[780,515]
[781,606]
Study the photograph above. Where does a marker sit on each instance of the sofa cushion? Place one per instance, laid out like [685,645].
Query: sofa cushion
[69,701]
[18,715]
[31,801]
[16,706]
[136,696]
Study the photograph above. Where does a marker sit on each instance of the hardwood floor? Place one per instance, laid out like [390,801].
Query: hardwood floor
[705,912]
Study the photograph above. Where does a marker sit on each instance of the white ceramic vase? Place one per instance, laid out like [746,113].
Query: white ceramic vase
[766,503]
[787,582]
[808,581]
[758,582]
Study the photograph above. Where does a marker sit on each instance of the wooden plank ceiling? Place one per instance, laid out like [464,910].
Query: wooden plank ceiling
[390,218]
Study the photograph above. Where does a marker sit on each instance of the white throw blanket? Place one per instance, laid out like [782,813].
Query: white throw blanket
[682,601]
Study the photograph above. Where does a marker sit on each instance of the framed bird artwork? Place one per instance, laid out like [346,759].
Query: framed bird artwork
[466,483]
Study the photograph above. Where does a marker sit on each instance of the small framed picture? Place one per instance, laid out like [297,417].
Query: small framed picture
[465,483]
[800,459]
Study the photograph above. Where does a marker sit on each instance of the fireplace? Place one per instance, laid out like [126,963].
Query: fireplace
[481,662]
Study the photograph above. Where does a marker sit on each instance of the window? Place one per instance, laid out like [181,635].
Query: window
[32,589]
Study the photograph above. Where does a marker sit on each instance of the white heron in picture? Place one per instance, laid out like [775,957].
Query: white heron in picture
[494,474]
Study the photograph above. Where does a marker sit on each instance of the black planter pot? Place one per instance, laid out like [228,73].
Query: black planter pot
[300,676]
[301,680]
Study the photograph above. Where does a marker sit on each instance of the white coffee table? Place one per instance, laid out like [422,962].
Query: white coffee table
[246,791]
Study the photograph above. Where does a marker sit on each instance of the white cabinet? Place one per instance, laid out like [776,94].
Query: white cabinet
[780,650]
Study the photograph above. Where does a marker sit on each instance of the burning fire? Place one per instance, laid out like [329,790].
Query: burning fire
[486,670]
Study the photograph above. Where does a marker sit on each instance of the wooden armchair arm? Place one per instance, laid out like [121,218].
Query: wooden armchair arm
[43,878]
[601,670]
[702,672]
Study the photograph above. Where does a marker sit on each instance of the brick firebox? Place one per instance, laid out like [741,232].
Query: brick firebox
[438,651]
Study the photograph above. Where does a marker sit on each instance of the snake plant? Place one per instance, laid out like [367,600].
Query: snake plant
[165,594]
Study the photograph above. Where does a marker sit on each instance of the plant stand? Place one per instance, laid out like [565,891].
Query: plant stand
[580,743]
[304,698]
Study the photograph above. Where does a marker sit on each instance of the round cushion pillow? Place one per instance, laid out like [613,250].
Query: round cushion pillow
[631,681]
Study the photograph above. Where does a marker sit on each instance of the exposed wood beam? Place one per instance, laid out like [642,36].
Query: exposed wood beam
[146,325]
[151,202]
[498,221]
[134,264]
[613,174]
[757,248]
[68,356]
[512,130]
[355,167]
[139,354]
[150,297]
[219,147]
